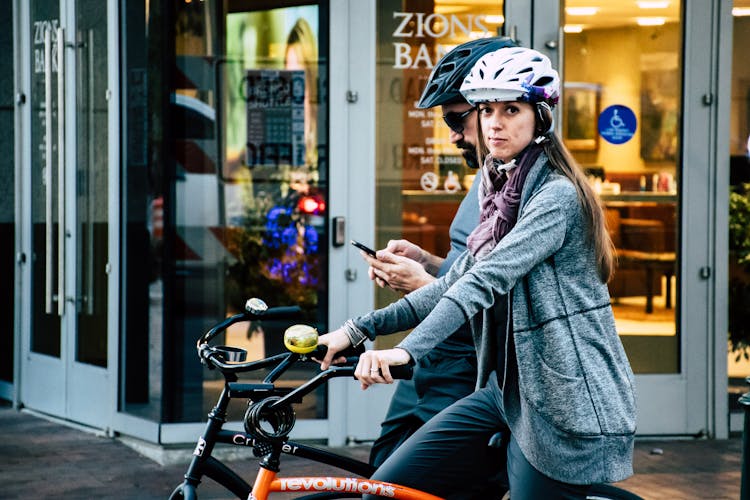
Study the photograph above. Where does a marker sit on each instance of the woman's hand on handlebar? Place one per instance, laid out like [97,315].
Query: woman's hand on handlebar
[374,366]
[336,341]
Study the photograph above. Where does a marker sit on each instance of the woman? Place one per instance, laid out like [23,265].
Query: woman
[552,370]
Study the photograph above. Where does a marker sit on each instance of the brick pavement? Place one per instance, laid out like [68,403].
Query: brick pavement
[43,459]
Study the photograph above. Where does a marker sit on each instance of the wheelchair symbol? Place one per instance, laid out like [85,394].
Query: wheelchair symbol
[616,121]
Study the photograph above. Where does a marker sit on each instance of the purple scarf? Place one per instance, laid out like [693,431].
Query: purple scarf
[499,200]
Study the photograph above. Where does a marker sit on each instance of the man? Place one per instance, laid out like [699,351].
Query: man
[449,372]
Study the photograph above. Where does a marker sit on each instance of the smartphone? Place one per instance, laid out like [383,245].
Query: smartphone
[369,251]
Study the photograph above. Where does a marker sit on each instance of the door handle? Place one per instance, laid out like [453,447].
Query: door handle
[513,35]
[48,300]
[88,293]
[61,171]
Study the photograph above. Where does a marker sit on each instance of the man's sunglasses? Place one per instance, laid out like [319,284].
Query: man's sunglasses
[455,120]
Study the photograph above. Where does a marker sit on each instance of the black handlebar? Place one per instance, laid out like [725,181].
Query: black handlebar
[282,312]
[214,357]
[269,415]
[403,372]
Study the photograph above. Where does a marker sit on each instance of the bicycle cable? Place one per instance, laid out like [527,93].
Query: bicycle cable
[281,419]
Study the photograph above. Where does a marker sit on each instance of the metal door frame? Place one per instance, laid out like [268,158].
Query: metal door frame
[75,401]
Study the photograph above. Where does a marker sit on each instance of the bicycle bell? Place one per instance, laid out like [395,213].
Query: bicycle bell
[301,339]
[255,306]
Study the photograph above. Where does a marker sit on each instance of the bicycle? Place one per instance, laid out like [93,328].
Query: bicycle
[270,418]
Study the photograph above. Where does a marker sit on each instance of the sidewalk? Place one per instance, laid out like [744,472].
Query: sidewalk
[42,459]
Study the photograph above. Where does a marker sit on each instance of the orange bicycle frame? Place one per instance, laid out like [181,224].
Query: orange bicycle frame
[268,482]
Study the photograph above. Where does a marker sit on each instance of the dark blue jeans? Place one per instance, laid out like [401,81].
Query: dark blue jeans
[449,457]
[440,379]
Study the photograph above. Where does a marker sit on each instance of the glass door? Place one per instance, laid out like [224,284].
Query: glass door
[623,115]
[7,206]
[738,362]
[65,358]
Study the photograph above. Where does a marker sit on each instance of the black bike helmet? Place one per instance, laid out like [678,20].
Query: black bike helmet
[448,74]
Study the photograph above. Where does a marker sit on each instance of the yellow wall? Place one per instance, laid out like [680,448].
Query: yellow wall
[615,58]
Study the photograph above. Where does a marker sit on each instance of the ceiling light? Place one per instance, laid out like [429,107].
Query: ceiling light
[741,11]
[653,5]
[573,28]
[581,11]
[450,9]
[650,21]
[492,19]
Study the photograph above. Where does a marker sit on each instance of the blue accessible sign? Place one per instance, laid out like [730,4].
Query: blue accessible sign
[617,124]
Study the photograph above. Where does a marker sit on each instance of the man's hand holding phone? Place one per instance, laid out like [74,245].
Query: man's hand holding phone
[398,266]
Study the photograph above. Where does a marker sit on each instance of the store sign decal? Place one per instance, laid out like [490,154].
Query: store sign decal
[40,28]
[432,25]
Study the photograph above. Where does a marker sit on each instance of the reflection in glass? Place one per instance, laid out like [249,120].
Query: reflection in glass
[93,180]
[45,333]
[229,199]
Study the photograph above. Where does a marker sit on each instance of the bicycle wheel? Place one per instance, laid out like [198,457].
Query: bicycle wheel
[609,492]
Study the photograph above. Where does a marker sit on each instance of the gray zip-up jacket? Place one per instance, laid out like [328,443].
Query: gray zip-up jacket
[568,388]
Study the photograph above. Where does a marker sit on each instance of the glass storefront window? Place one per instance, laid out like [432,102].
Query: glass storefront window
[235,204]
[739,207]
[620,113]
[7,196]
[421,177]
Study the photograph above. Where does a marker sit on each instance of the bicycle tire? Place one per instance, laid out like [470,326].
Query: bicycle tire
[609,492]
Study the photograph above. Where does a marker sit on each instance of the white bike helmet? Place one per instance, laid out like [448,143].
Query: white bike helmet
[512,74]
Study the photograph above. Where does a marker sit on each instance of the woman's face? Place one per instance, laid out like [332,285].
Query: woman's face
[507,127]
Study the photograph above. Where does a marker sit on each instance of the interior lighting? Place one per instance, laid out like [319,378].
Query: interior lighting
[741,11]
[450,9]
[650,21]
[581,11]
[573,28]
[653,4]
[494,19]
[311,205]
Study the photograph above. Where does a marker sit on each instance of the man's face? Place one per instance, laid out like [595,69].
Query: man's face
[466,139]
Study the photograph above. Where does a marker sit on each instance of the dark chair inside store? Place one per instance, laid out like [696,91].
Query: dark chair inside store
[644,239]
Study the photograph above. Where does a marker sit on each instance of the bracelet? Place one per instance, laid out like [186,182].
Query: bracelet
[355,335]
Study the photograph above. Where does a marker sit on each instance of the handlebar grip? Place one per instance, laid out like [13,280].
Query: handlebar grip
[283,312]
[402,372]
[398,372]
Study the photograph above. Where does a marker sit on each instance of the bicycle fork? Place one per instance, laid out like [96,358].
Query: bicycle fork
[205,446]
